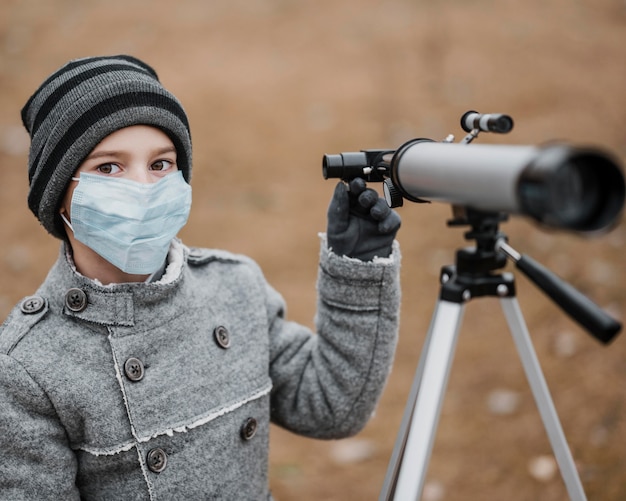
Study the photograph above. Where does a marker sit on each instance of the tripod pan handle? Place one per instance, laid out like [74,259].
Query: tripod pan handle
[578,306]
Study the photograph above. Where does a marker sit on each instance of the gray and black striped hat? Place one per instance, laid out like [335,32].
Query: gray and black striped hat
[77,107]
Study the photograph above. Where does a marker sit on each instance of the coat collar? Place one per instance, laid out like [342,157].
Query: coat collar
[111,305]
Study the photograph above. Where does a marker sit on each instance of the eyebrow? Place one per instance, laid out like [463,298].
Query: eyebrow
[100,154]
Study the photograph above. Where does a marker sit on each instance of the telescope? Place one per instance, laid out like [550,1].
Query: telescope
[558,185]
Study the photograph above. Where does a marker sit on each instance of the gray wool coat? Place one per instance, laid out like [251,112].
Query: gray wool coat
[166,390]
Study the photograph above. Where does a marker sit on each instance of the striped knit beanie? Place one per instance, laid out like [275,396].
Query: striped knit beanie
[81,104]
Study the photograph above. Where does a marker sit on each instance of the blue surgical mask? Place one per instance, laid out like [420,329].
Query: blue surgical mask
[130,224]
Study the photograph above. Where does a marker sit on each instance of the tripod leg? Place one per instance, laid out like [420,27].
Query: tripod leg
[542,398]
[389,485]
[418,442]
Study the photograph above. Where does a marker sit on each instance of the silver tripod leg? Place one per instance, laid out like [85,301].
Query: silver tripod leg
[542,398]
[440,345]
[407,473]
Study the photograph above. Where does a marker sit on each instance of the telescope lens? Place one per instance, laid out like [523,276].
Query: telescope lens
[573,194]
[574,189]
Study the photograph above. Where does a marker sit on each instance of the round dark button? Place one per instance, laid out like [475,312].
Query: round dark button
[134,370]
[32,304]
[249,428]
[76,300]
[157,460]
[222,336]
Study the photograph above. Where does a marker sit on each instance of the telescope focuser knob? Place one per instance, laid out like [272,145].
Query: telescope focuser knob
[392,195]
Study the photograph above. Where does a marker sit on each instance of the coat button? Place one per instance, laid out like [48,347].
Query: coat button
[76,300]
[249,428]
[157,460]
[134,370]
[32,304]
[222,336]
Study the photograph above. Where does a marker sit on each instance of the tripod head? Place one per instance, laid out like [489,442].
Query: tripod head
[473,274]
[485,230]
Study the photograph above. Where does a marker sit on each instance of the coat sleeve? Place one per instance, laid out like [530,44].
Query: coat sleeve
[36,461]
[327,385]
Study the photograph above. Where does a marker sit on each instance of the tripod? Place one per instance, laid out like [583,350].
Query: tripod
[473,277]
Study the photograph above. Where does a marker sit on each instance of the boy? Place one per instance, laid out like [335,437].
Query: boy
[144,369]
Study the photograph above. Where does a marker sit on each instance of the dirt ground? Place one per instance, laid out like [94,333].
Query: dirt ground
[272,85]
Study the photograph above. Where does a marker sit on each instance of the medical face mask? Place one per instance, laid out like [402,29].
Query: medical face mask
[130,224]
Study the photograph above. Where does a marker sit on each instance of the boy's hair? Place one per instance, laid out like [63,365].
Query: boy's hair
[77,107]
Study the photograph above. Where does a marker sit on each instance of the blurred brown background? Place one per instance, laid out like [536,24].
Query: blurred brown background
[272,85]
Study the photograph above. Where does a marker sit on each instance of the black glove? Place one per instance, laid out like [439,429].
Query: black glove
[360,223]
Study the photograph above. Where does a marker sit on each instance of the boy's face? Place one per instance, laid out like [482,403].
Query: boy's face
[140,153]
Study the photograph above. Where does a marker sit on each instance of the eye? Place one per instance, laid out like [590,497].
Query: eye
[108,168]
[162,165]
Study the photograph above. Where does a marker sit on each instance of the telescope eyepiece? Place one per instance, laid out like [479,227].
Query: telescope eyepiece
[344,166]
[370,165]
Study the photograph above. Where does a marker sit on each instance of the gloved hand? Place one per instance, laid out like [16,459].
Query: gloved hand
[360,223]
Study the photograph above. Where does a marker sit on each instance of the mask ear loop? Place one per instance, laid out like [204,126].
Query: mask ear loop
[65,220]
[69,225]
